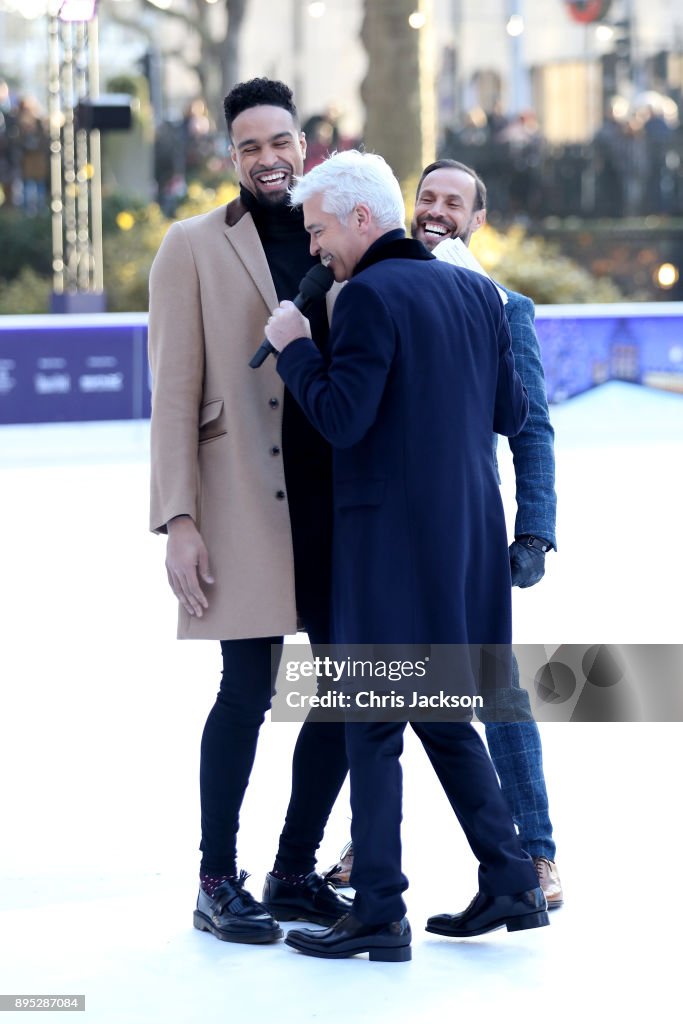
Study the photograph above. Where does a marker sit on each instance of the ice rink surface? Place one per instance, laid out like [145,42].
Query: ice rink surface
[102,710]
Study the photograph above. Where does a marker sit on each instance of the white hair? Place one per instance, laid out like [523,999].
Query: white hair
[349,178]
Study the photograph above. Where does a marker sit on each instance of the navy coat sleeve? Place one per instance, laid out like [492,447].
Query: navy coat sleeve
[512,403]
[532,448]
[341,398]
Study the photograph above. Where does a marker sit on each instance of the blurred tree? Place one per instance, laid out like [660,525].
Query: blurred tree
[392,90]
[217,28]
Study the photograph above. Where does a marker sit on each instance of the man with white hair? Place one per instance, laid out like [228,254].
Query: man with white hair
[451,203]
[418,375]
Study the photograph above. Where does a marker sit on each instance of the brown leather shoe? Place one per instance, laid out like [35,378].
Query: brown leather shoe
[549,881]
[340,873]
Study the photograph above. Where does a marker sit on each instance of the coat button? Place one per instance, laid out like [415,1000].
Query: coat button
[275,450]
[280,495]
[273,403]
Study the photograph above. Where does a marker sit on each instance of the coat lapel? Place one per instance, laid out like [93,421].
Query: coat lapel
[242,235]
[241,232]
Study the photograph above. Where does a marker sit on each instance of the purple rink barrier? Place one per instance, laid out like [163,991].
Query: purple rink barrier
[583,346]
[62,368]
[94,367]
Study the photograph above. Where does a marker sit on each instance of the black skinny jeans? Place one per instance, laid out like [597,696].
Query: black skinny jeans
[319,764]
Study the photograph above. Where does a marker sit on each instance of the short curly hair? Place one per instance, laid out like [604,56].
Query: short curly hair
[258,92]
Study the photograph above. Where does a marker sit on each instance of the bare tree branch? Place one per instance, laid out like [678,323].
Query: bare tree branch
[170,12]
[218,39]
[115,15]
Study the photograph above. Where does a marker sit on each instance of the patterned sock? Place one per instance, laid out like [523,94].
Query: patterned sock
[210,883]
[286,876]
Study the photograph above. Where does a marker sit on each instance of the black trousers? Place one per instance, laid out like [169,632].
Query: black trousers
[229,741]
[469,780]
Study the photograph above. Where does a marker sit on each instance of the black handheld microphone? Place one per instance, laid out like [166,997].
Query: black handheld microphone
[314,285]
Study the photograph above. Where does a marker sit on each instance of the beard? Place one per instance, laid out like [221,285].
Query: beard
[272,199]
[276,198]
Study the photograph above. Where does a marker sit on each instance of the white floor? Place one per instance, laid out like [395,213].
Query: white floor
[99,733]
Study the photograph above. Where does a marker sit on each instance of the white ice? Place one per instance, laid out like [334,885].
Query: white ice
[102,710]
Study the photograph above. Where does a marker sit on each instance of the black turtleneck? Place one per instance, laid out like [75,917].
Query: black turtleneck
[286,245]
[307,456]
[285,242]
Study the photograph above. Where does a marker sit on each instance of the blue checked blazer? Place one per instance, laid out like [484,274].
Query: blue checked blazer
[532,448]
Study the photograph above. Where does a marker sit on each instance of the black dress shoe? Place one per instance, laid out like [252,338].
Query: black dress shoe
[388,942]
[486,913]
[234,915]
[315,899]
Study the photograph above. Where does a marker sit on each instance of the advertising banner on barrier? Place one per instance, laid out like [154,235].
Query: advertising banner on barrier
[80,368]
[94,367]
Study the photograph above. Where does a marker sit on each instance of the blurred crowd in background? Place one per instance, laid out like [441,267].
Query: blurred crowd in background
[195,148]
[631,167]
[24,152]
[191,149]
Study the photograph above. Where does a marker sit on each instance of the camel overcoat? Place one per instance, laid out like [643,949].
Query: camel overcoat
[216,430]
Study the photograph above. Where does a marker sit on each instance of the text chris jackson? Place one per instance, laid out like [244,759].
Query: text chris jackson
[369,699]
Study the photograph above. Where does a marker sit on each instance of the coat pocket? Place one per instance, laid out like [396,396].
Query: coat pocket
[357,493]
[211,420]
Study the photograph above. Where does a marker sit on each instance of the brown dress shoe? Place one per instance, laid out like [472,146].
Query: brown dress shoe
[339,874]
[549,881]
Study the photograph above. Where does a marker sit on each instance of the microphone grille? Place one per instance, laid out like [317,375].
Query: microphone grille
[317,282]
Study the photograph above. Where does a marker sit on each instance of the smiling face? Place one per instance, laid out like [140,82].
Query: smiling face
[444,208]
[267,151]
[339,246]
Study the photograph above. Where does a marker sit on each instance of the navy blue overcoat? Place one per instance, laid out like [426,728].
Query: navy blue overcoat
[420,372]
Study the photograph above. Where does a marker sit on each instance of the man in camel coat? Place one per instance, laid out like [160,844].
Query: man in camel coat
[242,485]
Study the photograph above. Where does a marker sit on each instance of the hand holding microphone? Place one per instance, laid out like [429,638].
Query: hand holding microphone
[287,323]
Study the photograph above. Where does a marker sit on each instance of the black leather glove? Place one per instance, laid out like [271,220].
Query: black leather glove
[527,560]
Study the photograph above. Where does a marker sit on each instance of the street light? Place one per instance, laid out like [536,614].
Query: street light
[515,25]
[519,78]
[666,275]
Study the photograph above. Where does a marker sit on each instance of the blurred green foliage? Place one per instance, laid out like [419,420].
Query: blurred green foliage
[535,267]
[129,248]
[133,233]
[24,242]
[27,292]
